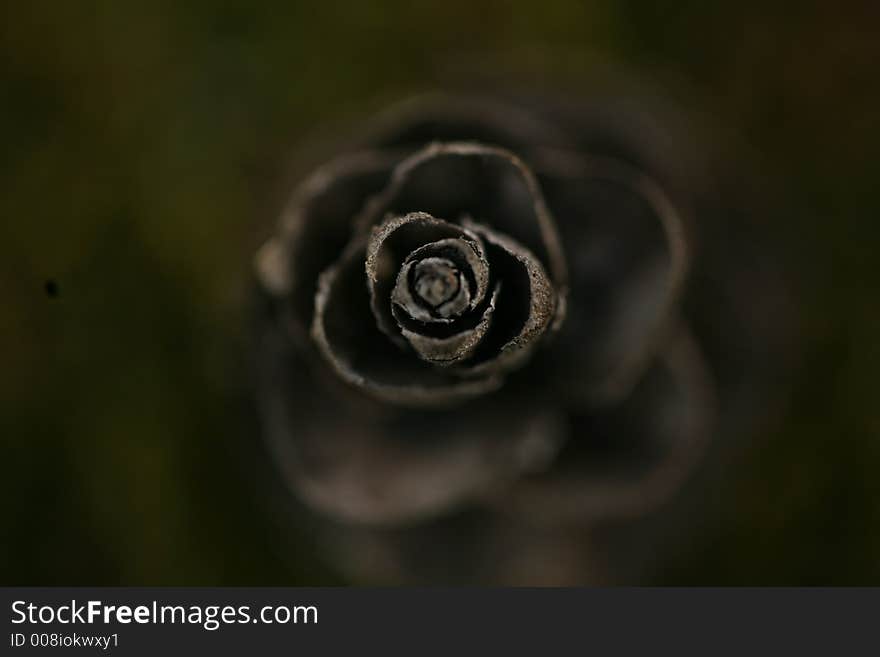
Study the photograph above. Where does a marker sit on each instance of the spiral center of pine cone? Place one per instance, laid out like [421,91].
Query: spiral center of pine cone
[436,281]
[464,272]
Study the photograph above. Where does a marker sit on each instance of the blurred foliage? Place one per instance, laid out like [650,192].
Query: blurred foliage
[142,147]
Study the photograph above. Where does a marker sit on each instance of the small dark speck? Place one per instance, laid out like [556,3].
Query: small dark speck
[51,288]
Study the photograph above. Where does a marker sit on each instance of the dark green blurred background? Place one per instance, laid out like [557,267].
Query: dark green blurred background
[143,151]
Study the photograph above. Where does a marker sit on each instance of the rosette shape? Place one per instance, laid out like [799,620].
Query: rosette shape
[471,342]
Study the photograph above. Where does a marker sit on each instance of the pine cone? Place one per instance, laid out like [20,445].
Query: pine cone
[474,346]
